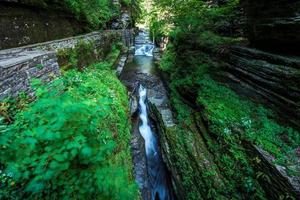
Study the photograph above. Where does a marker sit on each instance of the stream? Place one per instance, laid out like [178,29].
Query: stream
[141,78]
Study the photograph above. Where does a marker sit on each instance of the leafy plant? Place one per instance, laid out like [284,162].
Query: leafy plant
[68,148]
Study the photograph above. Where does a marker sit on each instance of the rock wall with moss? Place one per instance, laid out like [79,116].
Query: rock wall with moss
[236,106]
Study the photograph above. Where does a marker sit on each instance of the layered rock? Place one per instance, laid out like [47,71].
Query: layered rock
[273,23]
[274,178]
[268,72]
[267,78]
[187,157]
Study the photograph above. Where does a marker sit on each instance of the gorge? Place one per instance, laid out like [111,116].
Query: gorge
[152,100]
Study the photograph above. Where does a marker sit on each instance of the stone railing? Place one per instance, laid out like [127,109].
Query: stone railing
[19,65]
[17,71]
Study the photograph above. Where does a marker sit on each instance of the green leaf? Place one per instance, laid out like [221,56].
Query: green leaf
[86,151]
[59,157]
[54,164]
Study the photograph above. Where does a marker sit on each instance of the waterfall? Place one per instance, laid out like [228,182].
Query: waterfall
[145,129]
[145,50]
[155,166]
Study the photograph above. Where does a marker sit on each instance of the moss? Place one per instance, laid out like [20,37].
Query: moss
[80,56]
[85,54]
[228,114]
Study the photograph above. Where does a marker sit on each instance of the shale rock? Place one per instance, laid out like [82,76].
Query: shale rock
[268,78]
[273,23]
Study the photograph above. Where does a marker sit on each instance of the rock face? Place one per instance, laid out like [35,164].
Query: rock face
[268,72]
[273,23]
[278,182]
[22,25]
[267,78]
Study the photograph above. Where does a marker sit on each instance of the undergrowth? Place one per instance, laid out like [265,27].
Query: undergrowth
[231,121]
[61,146]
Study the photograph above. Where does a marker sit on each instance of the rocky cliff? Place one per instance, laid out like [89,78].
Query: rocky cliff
[23,24]
[273,24]
[269,68]
[224,145]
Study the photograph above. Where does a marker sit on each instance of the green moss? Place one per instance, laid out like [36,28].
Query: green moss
[234,119]
[85,54]
[229,174]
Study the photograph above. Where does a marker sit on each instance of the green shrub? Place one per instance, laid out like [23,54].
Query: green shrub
[96,12]
[72,142]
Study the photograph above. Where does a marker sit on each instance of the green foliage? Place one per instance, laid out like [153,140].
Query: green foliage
[227,172]
[10,106]
[228,113]
[85,54]
[191,16]
[40,66]
[69,151]
[95,12]
[198,32]
[168,60]
[80,56]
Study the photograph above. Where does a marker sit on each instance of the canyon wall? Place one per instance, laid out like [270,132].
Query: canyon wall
[273,24]
[23,24]
[268,69]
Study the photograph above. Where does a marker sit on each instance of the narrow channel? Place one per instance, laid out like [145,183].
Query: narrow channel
[140,75]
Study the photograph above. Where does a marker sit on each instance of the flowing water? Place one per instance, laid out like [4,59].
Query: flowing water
[141,72]
[156,169]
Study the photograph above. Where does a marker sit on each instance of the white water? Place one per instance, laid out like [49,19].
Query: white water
[156,169]
[145,50]
[157,177]
[145,129]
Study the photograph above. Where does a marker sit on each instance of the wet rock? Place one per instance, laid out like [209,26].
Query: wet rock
[121,64]
[157,53]
[139,160]
[131,50]
[122,22]
[133,104]
[192,152]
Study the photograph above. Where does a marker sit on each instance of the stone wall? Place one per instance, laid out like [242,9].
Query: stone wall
[100,38]
[22,24]
[19,65]
[17,70]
